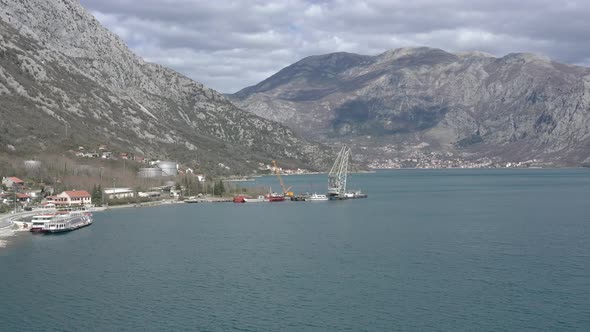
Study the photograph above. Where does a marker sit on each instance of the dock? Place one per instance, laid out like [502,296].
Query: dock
[209,200]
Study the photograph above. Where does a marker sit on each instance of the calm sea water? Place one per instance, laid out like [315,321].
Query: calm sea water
[470,250]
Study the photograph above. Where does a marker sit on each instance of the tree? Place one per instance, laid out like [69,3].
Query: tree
[199,187]
[215,189]
[218,188]
[97,194]
[189,185]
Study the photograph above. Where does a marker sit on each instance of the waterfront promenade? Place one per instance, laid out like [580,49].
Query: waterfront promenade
[8,225]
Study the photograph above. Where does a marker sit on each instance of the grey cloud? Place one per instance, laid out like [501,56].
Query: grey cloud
[232,44]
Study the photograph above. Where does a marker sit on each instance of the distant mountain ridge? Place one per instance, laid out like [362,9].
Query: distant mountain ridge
[520,106]
[61,71]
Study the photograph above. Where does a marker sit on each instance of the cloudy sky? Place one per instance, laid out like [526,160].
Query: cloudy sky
[229,45]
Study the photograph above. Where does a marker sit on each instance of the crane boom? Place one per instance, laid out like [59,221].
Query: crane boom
[286,191]
[338,173]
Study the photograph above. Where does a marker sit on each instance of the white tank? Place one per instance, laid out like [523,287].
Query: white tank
[149,172]
[169,168]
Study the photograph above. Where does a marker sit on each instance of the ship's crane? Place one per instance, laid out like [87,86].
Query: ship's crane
[286,191]
[338,173]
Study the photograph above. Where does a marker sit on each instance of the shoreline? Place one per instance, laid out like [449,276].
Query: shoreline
[9,226]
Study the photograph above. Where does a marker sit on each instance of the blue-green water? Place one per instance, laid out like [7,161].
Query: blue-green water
[469,250]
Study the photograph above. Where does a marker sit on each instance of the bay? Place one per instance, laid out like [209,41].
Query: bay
[429,250]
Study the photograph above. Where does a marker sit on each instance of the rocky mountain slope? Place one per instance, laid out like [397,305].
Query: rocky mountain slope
[66,81]
[514,108]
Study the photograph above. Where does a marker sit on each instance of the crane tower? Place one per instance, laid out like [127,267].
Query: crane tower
[338,173]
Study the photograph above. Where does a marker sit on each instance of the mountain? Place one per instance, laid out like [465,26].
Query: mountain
[66,81]
[513,108]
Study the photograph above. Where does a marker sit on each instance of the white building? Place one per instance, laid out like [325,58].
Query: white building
[150,194]
[112,193]
[73,197]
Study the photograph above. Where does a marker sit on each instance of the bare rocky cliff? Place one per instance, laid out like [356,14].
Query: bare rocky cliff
[62,72]
[516,107]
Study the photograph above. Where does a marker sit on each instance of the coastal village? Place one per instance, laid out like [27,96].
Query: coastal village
[91,179]
[435,160]
[38,207]
[28,204]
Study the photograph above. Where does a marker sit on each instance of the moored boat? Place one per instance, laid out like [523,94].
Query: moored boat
[300,197]
[316,197]
[193,199]
[239,199]
[68,222]
[349,195]
[40,220]
[274,197]
[258,199]
[359,194]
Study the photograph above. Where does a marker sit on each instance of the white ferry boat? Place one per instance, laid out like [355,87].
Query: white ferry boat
[39,221]
[67,222]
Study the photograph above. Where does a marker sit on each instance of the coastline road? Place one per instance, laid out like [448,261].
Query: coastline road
[8,225]
[6,221]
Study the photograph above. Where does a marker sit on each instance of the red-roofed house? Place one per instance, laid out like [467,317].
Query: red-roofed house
[23,197]
[12,181]
[73,197]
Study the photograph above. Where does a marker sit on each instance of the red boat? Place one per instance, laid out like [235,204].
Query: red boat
[239,199]
[274,197]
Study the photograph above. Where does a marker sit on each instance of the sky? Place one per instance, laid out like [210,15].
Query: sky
[229,45]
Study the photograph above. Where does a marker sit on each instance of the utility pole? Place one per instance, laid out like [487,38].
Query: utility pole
[188,185]
[114,186]
[101,188]
[14,190]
